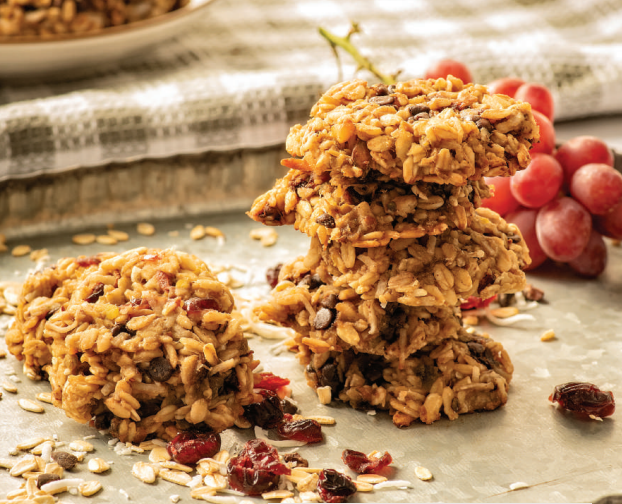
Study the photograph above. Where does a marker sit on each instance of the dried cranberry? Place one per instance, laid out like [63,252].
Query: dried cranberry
[335,486]
[85,262]
[584,399]
[272,275]
[97,292]
[305,430]
[268,413]
[362,464]
[475,303]
[190,447]
[270,381]
[196,305]
[256,469]
[164,281]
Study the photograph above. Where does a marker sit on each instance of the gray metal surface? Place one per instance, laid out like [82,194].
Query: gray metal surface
[473,459]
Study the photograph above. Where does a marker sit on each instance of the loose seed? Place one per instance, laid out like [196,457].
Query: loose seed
[144,472]
[197,232]
[98,465]
[45,397]
[83,239]
[28,405]
[81,446]
[548,335]
[119,235]
[89,488]
[21,250]
[423,473]
[106,240]
[146,229]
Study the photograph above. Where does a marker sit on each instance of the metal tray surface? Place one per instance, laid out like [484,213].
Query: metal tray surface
[476,458]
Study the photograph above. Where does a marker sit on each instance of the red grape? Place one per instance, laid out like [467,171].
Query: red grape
[593,259]
[547,135]
[525,219]
[506,86]
[563,227]
[502,201]
[610,224]
[580,151]
[538,96]
[539,183]
[597,186]
[443,68]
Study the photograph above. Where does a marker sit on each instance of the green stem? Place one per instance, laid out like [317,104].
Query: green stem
[346,45]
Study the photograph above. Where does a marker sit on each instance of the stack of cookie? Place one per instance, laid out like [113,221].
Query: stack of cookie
[387,181]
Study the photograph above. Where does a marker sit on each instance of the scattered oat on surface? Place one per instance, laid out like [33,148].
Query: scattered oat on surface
[173,234]
[28,405]
[39,255]
[144,472]
[267,236]
[106,240]
[362,486]
[30,443]
[20,250]
[98,465]
[372,479]
[84,239]
[81,446]
[197,232]
[89,488]
[146,229]
[159,454]
[277,494]
[214,232]
[45,397]
[23,466]
[423,473]
[548,335]
[178,477]
[118,235]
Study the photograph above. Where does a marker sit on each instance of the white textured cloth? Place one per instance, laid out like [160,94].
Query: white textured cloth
[250,69]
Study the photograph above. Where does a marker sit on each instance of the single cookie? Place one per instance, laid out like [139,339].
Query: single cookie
[440,131]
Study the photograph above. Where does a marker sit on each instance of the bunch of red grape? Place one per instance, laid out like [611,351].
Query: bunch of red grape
[567,199]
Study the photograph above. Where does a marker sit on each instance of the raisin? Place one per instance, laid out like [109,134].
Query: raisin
[395,319]
[371,368]
[362,464]
[334,486]
[190,447]
[531,293]
[121,328]
[311,281]
[268,413]
[295,460]
[44,478]
[323,319]
[328,375]
[271,215]
[64,459]
[381,89]
[584,399]
[269,381]
[326,220]
[309,431]
[272,275]
[103,420]
[160,369]
[195,305]
[97,292]
[256,469]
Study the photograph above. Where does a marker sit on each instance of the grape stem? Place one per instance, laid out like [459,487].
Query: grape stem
[346,44]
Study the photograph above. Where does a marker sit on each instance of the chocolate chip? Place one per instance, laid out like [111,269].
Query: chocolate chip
[323,319]
[505,300]
[419,117]
[312,281]
[484,123]
[44,478]
[329,301]
[328,376]
[418,109]
[295,460]
[160,369]
[382,100]
[64,459]
[289,407]
[326,220]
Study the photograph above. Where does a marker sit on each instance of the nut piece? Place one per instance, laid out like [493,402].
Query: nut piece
[81,446]
[89,488]
[146,229]
[548,335]
[83,239]
[21,250]
[423,473]
[324,394]
[28,405]
[65,459]
[98,465]
[197,232]
[144,472]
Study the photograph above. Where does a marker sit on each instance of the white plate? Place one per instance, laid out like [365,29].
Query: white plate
[31,57]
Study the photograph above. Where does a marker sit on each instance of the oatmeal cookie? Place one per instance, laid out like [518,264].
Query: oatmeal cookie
[148,341]
[440,131]
[366,212]
[451,377]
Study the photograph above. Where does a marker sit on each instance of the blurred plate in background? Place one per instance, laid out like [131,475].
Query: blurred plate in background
[24,57]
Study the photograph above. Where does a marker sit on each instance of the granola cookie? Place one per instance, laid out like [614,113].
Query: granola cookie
[366,212]
[440,131]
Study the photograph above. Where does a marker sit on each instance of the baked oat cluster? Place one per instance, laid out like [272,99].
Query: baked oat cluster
[143,342]
[388,182]
[50,18]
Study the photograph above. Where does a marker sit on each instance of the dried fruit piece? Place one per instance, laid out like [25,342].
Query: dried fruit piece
[584,399]
[64,459]
[362,464]
[272,275]
[190,447]
[44,478]
[270,381]
[476,303]
[306,430]
[335,486]
[256,469]
[268,413]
